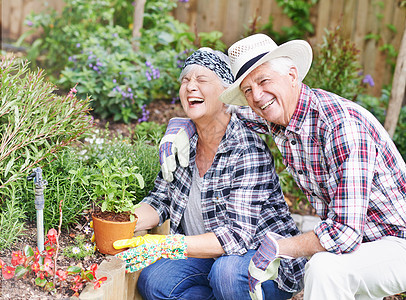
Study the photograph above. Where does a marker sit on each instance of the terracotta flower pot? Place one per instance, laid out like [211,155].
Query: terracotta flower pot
[106,232]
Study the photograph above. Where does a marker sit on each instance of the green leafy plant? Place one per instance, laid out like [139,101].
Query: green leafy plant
[34,121]
[378,106]
[298,12]
[80,249]
[336,68]
[11,217]
[135,150]
[115,186]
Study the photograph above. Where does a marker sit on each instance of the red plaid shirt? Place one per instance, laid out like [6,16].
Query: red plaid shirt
[346,164]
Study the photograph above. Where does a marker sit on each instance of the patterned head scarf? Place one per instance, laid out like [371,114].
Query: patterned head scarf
[212,62]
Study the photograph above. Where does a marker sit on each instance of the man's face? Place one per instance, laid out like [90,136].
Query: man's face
[271,95]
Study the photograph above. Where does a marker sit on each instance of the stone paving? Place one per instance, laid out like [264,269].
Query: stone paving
[305,223]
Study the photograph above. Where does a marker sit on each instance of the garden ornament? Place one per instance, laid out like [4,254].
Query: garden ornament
[149,248]
[40,184]
[251,52]
[264,264]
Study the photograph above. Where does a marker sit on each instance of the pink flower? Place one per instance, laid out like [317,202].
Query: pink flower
[8,272]
[17,258]
[52,236]
[62,274]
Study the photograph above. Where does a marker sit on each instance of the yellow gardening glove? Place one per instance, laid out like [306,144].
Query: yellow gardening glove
[139,240]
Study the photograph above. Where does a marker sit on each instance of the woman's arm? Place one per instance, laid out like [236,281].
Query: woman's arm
[203,246]
[147,217]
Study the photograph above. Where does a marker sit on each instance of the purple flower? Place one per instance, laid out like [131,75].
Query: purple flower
[114,80]
[368,80]
[77,45]
[29,23]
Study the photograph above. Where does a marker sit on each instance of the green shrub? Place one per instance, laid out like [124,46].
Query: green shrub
[90,43]
[335,67]
[60,187]
[377,106]
[133,153]
[12,217]
[34,121]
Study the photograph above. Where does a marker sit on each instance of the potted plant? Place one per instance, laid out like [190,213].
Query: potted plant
[114,189]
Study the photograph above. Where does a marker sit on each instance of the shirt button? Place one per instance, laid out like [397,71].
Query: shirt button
[300,172]
[297,129]
[293,142]
[321,185]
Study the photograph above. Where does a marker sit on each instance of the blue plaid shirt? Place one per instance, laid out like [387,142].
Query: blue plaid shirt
[241,198]
[346,164]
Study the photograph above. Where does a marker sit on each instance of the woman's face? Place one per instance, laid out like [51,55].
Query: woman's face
[199,93]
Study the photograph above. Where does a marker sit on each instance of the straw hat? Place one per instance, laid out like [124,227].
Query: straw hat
[250,52]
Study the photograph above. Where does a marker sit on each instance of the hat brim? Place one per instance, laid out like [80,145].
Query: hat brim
[298,50]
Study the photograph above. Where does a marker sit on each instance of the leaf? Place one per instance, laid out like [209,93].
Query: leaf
[20,271]
[9,165]
[40,282]
[140,180]
[74,270]
[28,251]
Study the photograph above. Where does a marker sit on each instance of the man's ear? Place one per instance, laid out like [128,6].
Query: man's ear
[294,76]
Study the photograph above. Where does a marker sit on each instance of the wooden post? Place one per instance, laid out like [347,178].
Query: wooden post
[137,22]
[398,89]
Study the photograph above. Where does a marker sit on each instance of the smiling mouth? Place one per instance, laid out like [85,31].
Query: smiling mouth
[268,104]
[195,100]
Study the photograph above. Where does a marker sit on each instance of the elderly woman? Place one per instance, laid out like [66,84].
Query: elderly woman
[220,207]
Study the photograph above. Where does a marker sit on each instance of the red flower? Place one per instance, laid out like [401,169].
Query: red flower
[62,275]
[17,258]
[99,282]
[8,272]
[50,251]
[93,268]
[35,267]
[52,236]
[2,264]
[48,265]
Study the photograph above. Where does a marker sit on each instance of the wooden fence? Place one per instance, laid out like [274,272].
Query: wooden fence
[384,20]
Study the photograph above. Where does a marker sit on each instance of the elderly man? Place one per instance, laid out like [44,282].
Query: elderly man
[342,159]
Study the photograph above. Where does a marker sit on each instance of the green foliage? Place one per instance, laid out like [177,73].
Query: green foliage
[60,187]
[11,217]
[288,184]
[335,67]
[114,185]
[378,106]
[62,33]
[80,249]
[90,43]
[150,132]
[299,12]
[34,121]
[136,153]
[119,79]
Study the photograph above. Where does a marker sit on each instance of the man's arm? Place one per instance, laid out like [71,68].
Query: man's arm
[204,246]
[305,244]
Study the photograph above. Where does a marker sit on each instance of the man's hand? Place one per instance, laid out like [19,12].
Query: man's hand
[149,248]
[264,265]
[175,142]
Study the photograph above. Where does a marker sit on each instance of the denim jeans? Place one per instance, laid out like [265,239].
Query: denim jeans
[202,279]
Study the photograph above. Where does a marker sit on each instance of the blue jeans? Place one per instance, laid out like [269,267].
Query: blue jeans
[202,279]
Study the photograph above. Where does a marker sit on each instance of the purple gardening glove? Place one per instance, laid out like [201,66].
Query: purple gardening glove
[264,264]
[175,142]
